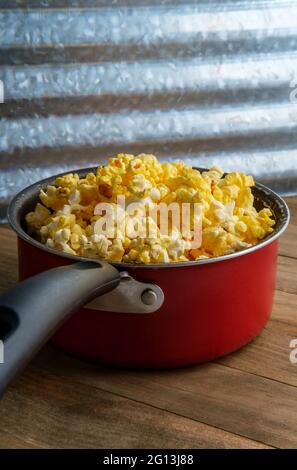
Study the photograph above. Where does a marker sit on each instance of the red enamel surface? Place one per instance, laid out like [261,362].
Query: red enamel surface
[209,310]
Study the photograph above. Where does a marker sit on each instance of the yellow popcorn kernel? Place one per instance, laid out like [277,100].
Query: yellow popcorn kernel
[91,179]
[139,184]
[214,241]
[144,256]
[117,163]
[230,192]
[62,235]
[195,253]
[36,219]
[83,240]
[155,194]
[77,229]
[179,165]
[81,222]
[50,243]
[137,164]
[74,241]
[66,220]
[218,194]
[44,231]
[239,211]
[67,249]
[159,254]
[248,180]
[240,227]
[266,214]
[132,255]
[99,244]
[184,194]
[206,222]
[233,179]
[67,181]
[169,171]
[215,173]
[88,193]
[257,231]
[236,244]
[105,190]
[116,251]
[229,226]
[177,247]
[171,196]
[126,243]
[218,170]
[245,198]
[136,243]
[84,213]
[89,230]
[164,190]
[54,198]
[239,179]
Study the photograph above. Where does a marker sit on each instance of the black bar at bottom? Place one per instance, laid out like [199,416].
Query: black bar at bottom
[130,458]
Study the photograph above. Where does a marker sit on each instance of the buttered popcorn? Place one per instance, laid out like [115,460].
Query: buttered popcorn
[67,219]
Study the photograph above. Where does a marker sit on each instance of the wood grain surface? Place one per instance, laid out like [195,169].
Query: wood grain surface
[245,400]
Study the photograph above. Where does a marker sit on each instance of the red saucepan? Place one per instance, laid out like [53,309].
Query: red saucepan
[142,316]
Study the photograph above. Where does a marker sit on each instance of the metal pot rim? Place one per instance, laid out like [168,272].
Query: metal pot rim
[30,194]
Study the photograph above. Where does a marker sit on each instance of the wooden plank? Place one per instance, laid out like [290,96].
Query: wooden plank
[285,308]
[288,242]
[9,441]
[49,411]
[238,402]
[292,203]
[287,275]
[268,355]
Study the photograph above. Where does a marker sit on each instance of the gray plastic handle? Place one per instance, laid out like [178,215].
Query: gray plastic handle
[32,311]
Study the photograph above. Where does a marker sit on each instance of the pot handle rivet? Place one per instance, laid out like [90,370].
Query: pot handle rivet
[148,297]
[130,296]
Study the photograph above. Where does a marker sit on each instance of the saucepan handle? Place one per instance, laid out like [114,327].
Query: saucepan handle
[32,311]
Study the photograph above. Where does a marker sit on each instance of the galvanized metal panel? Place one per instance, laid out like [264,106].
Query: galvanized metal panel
[204,81]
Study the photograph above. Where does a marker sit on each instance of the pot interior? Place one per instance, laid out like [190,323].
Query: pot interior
[26,200]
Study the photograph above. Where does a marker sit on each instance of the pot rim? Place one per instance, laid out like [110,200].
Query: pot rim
[17,203]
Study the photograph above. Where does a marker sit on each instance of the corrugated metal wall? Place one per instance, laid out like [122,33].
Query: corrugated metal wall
[206,81]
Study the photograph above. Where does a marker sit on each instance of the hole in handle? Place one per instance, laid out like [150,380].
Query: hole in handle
[8,322]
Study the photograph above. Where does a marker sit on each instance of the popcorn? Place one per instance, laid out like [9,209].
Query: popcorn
[66,218]
[139,184]
[176,248]
[116,251]
[37,218]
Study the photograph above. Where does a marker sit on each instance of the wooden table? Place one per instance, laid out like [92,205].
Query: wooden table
[248,399]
